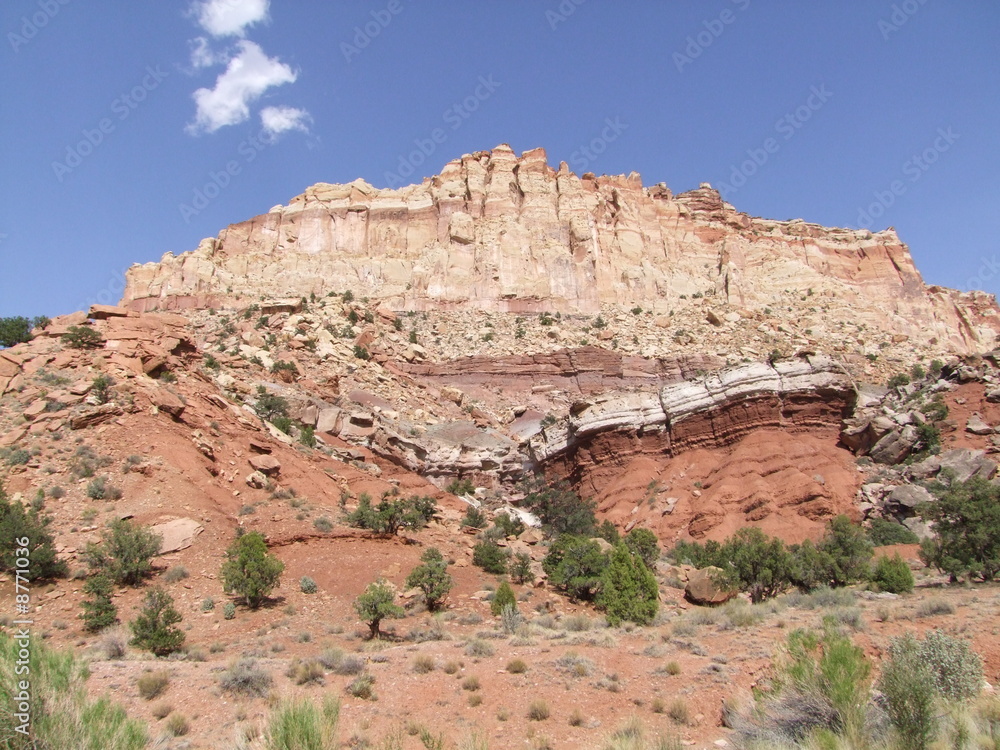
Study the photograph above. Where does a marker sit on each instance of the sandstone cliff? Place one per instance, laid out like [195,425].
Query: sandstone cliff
[500,233]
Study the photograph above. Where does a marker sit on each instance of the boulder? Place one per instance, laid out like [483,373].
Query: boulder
[328,420]
[908,497]
[701,587]
[266,464]
[167,402]
[977,426]
[177,534]
[256,480]
[894,446]
[91,417]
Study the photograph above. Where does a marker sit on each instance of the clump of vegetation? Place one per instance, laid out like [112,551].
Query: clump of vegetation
[307,585]
[475,518]
[377,603]
[244,677]
[490,556]
[250,570]
[153,629]
[519,568]
[270,406]
[883,533]
[391,515]
[82,337]
[462,487]
[362,687]
[23,524]
[575,564]
[125,552]
[561,510]
[100,388]
[99,610]
[15,330]
[892,574]
[432,578]
[966,522]
[300,724]
[628,589]
[152,684]
[503,599]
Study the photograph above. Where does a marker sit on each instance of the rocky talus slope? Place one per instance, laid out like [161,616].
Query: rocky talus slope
[502,233]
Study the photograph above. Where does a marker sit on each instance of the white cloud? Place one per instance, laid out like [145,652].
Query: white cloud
[202,55]
[229,17]
[277,120]
[248,75]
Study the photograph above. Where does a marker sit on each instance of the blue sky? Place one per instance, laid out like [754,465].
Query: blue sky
[838,112]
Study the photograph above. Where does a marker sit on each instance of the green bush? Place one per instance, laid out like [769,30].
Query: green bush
[509,525]
[82,337]
[432,578]
[391,515]
[307,436]
[502,598]
[99,611]
[810,566]
[643,544]
[849,549]
[244,677]
[957,669]
[908,686]
[757,564]
[307,585]
[62,713]
[124,553]
[519,568]
[461,487]
[575,564]
[698,555]
[966,521]
[14,331]
[490,556]
[883,533]
[100,388]
[475,518]
[229,611]
[892,574]
[561,510]
[376,603]
[628,589]
[21,524]
[269,405]
[300,725]
[152,684]
[250,570]
[153,628]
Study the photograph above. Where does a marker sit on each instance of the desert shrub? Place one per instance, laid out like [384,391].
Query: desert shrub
[62,713]
[509,524]
[510,618]
[432,578]
[957,669]
[490,556]
[376,603]
[539,711]
[152,684]
[306,672]
[908,686]
[99,611]
[478,648]
[575,564]
[503,598]
[100,388]
[207,604]
[574,664]
[517,666]
[461,487]
[475,518]
[82,337]
[471,683]
[125,552]
[934,607]
[177,725]
[14,330]
[561,510]
[849,549]
[250,570]
[892,574]
[883,533]
[307,585]
[161,710]
[757,564]
[300,725]
[244,677]
[22,524]
[113,643]
[362,687]
[628,588]
[269,405]
[391,515]
[679,712]
[672,668]
[697,555]
[519,568]
[423,663]
[153,628]
[966,521]
[175,574]
[643,544]
[98,489]
[229,611]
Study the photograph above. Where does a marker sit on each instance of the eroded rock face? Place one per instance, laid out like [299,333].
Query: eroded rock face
[501,233]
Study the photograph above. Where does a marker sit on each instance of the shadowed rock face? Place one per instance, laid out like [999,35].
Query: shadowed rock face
[500,233]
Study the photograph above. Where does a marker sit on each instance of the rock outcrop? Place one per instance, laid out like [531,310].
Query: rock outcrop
[507,234]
